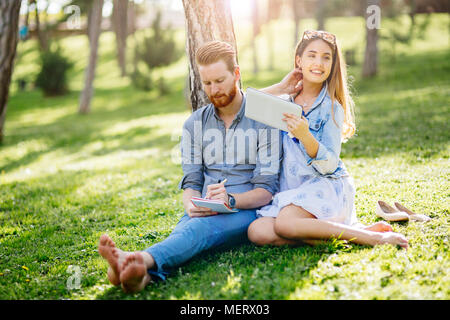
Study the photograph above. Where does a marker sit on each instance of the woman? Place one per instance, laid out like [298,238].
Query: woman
[316,198]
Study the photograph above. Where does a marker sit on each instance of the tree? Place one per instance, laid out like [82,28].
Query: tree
[256,30]
[370,65]
[296,10]
[94,30]
[206,20]
[156,50]
[321,14]
[9,26]
[120,25]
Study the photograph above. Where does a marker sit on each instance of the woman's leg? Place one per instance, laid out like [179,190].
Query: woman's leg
[261,232]
[296,223]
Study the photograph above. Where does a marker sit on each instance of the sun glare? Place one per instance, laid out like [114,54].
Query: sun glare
[241,8]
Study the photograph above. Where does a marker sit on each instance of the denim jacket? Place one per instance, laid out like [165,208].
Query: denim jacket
[328,135]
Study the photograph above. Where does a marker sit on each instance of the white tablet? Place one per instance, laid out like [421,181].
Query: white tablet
[269,109]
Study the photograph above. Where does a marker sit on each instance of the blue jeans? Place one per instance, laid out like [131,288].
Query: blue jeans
[192,236]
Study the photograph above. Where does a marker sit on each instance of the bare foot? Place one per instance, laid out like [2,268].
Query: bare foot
[379,227]
[134,276]
[394,239]
[114,256]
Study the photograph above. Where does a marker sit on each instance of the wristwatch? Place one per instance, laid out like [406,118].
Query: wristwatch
[231,201]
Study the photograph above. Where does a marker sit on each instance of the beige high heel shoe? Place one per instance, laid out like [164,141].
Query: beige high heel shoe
[388,213]
[412,215]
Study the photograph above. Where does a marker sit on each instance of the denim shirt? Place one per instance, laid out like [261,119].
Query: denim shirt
[328,135]
[248,154]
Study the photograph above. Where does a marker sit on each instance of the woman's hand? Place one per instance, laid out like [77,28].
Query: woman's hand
[297,125]
[292,83]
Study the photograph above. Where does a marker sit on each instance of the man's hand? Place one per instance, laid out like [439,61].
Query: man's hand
[217,191]
[194,211]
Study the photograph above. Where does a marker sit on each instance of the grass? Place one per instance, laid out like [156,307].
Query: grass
[66,178]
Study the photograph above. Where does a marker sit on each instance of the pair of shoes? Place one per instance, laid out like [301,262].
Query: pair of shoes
[399,213]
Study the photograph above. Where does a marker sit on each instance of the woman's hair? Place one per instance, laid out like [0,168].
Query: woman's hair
[337,81]
[213,51]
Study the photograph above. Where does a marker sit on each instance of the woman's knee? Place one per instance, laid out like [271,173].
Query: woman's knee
[260,232]
[289,223]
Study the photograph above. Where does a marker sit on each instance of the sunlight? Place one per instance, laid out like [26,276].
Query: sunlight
[241,8]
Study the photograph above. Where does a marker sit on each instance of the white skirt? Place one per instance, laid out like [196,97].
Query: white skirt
[326,198]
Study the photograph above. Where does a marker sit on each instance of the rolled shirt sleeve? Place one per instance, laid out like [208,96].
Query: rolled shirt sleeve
[191,154]
[269,155]
[327,158]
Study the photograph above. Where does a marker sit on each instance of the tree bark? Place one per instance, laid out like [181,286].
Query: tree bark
[9,25]
[95,15]
[370,65]
[206,20]
[321,6]
[256,31]
[120,25]
[296,10]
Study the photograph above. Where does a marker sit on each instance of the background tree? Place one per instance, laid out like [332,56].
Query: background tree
[370,65]
[273,13]
[94,30]
[256,28]
[9,26]
[297,6]
[120,26]
[321,14]
[156,50]
[206,20]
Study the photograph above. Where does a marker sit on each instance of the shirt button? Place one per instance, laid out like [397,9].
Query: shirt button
[317,126]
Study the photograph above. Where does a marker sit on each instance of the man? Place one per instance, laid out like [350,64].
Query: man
[225,156]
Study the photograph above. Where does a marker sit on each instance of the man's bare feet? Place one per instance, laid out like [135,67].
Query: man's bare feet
[114,256]
[134,276]
[379,227]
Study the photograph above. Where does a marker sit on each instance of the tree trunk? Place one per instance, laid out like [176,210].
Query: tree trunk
[321,6]
[296,10]
[9,25]
[256,30]
[371,54]
[95,14]
[42,35]
[120,26]
[206,20]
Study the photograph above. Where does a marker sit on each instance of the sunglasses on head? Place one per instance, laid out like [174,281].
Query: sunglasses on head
[328,37]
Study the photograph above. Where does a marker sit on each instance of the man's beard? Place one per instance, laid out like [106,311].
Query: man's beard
[223,100]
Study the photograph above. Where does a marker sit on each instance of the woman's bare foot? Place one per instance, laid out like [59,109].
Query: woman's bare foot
[134,276]
[394,239]
[114,256]
[379,227]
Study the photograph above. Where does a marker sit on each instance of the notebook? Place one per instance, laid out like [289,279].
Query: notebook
[269,109]
[214,205]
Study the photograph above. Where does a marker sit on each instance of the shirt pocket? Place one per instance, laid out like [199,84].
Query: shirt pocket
[316,127]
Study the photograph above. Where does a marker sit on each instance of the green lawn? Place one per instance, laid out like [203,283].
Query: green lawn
[66,178]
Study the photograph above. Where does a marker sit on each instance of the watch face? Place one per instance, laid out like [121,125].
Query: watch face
[232,201]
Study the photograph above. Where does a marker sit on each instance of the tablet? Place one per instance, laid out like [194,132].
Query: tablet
[214,205]
[269,109]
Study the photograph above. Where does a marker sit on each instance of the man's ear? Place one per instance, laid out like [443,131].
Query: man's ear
[237,73]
